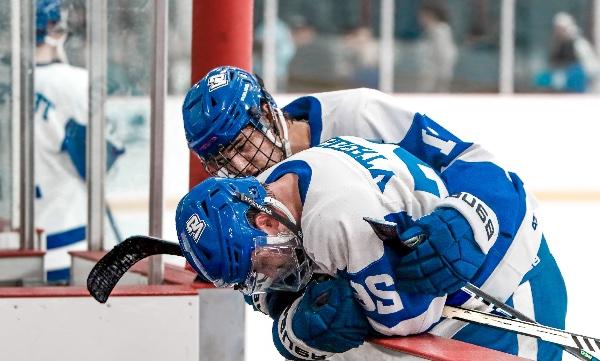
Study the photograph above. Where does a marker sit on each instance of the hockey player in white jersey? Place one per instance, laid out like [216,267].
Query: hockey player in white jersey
[308,219]
[60,127]
[236,128]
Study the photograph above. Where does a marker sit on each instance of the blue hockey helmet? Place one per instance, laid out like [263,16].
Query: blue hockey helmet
[214,233]
[47,11]
[219,241]
[221,104]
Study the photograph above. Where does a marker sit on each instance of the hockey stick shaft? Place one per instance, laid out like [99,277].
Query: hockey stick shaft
[549,334]
[505,309]
[386,231]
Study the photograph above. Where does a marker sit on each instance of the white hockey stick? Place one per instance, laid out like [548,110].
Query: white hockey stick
[549,334]
[510,312]
[386,231]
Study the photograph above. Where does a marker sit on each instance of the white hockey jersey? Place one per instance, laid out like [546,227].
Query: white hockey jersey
[61,203]
[343,180]
[520,251]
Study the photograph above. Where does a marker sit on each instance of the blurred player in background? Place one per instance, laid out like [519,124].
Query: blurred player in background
[306,222]
[574,63]
[61,113]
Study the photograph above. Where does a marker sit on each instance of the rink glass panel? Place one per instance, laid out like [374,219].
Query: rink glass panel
[474,39]
[128,112]
[6,121]
[127,116]
[322,45]
[328,53]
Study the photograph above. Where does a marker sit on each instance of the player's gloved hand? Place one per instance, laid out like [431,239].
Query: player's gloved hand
[327,319]
[459,234]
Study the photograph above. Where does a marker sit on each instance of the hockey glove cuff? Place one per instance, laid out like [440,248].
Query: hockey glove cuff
[327,319]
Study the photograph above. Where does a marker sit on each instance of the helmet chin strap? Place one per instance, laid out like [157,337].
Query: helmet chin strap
[280,207]
[280,119]
[280,124]
[267,208]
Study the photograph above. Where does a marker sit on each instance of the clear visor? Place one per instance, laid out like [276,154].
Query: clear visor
[278,263]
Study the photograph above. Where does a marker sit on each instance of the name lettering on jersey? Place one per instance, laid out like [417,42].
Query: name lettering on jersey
[217,81]
[42,101]
[364,156]
[195,226]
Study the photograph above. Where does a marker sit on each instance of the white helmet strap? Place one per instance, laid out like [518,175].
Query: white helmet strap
[282,124]
[280,207]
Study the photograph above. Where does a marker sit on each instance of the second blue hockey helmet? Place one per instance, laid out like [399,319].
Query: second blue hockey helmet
[47,12]
[219,106]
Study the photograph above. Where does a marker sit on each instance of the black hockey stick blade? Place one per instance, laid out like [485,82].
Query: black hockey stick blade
[108,271]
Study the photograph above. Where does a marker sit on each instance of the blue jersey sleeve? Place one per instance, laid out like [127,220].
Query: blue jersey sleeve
[467,167]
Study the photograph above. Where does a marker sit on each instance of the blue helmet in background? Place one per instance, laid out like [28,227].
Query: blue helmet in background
[215,235]
[219,106]
[47,11]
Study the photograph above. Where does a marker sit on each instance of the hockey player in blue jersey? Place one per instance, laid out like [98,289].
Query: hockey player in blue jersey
[308,220]
[60,129]
[236,128]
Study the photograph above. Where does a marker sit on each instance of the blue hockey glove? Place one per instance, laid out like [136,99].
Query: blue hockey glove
[459,234]
[327,319]
[457,237]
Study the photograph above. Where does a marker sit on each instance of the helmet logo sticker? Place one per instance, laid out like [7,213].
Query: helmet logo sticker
[245,92]
[195,226]
[217,81]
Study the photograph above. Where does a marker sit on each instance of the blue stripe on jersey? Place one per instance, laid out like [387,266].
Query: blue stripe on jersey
[431,143]
[62,274]
[550,310]
[309,108]
[505,196]
[38,192]
[550,307]
[389,311]
[422,183]
[74,144]
[299,168]
[66,238]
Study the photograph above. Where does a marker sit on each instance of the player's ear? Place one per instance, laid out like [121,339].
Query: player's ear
[264,107]
[267,224]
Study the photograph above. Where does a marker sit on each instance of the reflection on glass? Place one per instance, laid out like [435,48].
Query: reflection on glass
[60,126]
[553,50]
[5,117]
[128,113]
[440,46]
[322,45]
[446,46]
